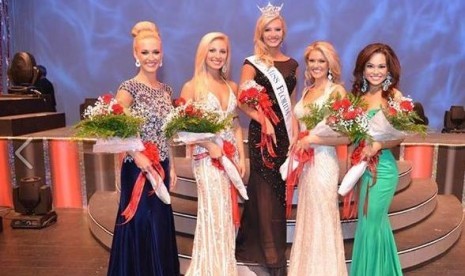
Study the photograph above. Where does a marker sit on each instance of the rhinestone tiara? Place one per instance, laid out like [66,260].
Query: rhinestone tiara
[270,10]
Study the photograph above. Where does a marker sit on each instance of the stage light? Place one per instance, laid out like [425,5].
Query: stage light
[33,201]
[454,119]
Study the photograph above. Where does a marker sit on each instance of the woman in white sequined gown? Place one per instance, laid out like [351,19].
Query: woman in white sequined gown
[318,247]
[214,241]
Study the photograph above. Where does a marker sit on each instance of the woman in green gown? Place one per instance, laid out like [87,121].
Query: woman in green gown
[376,78]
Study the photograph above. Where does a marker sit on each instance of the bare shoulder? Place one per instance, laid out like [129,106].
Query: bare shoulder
[187,91]
[233,85]
[397,94]
[124,97]
[338,89]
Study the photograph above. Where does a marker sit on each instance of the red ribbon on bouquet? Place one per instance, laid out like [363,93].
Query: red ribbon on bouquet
[293,175]
[350,201]
[151,151]
[229,151]
[257,98]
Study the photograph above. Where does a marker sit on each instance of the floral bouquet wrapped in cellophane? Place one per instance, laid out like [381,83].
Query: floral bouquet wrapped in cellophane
[195,122]
[115,128]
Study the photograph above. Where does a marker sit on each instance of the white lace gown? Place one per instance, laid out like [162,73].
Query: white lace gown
[214,241]
[318,247]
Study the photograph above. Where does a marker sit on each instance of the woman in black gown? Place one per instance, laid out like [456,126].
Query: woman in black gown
[262,236]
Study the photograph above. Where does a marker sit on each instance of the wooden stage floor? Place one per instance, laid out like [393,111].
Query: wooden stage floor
[68,248]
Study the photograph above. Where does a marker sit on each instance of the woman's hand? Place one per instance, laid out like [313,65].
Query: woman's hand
[303,143]
[173,178]
[371,149]
[142,161]
[241,167]
[270,130]
[214,150]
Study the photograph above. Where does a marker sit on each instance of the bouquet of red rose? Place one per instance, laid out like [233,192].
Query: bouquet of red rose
[254,95]
[116,129]
[195,122]
[348,116]
[401,116]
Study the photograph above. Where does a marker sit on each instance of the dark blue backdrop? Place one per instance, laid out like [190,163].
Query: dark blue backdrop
[87,48]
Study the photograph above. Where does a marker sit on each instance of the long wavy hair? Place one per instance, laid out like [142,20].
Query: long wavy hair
[331,56]
[392,62]
[260,48]
[200,70]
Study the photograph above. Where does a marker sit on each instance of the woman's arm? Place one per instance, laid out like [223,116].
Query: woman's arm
[371,149]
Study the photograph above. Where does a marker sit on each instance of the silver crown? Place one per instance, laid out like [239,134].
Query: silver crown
[270,10]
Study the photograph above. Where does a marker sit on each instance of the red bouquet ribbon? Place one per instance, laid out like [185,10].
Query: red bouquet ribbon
[151,151]
[293,176]
[350,201]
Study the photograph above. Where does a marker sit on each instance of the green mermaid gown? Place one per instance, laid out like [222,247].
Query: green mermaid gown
[375,251]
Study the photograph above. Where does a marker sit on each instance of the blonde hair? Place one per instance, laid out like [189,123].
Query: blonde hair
[200,70]
[143,30]
[260,48]
[331,57]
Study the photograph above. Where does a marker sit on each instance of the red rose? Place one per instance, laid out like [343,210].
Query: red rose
[189,110]
[392,111]
[349,115]
[336,105]
[331,120]
[180,101]
[345,103]
[117,109]
[406,106]
[107,98]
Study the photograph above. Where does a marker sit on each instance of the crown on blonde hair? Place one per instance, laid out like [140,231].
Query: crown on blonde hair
[270,10]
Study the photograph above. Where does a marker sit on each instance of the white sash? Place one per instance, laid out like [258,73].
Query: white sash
[280,89]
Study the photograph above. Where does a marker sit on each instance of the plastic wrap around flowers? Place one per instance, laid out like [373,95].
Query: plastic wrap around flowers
[393,123]
[254,95]
[401,116]
[193,121]
[115,128]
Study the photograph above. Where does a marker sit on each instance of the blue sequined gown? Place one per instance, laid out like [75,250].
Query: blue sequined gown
[147,244]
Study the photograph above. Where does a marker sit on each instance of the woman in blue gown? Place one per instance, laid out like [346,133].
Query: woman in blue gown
[146,244]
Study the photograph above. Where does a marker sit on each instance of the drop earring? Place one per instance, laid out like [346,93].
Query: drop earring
[330,75]
[387,82]
[137,63]
[161,63]
[224,69]
[364,88]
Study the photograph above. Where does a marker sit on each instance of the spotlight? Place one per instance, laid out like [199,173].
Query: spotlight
[33,201]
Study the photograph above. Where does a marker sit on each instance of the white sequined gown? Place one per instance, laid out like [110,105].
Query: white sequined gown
[214,241]
[318,247]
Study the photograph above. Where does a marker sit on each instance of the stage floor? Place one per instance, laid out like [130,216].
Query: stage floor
[68,248]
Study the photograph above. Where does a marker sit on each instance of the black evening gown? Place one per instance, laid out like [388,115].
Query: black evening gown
[262,234]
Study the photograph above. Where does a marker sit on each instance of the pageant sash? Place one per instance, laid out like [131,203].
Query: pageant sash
[280,89]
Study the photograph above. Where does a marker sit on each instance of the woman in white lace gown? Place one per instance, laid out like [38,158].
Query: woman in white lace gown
[214,241]
[318,247]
